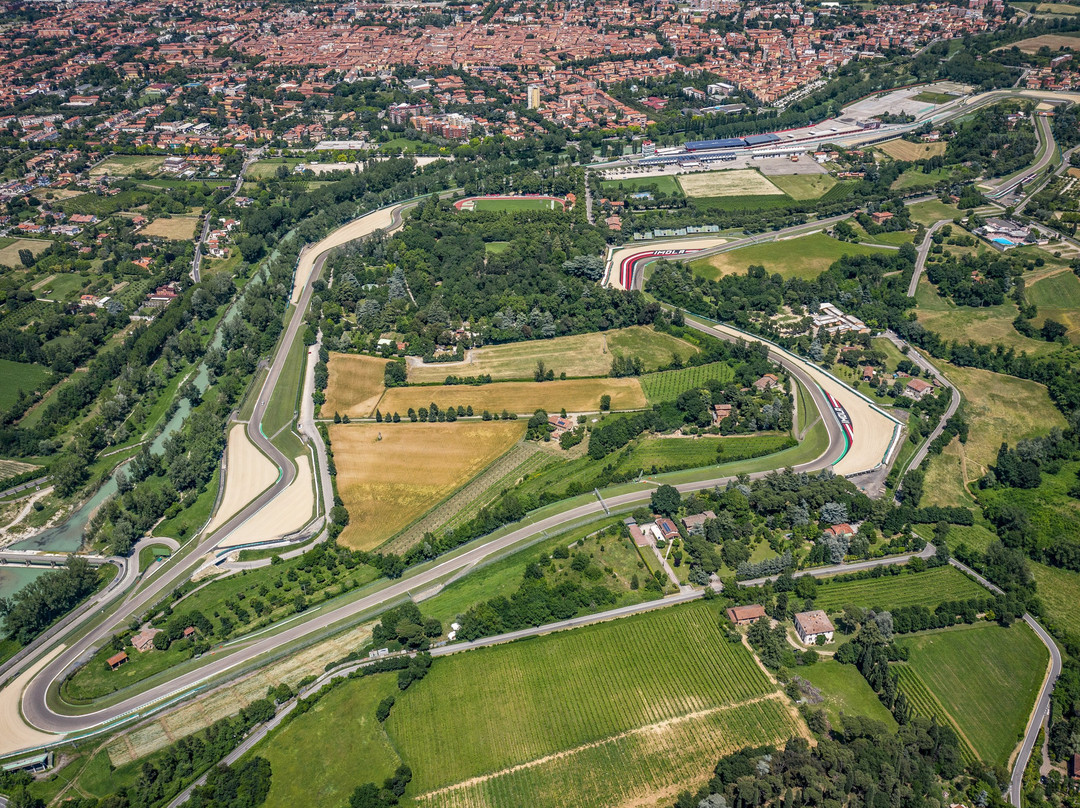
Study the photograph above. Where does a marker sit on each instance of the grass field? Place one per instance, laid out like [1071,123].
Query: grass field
[1059,591]
[905,150]
[930,97]
[575,395]
[496,247]
[1058,298]
[669,453]
[283,398]
[946,481]
[1000,409]
[178,228]
[929,212]
[391,474]
[1052,513]
[737,182]
[124,165]
[803,186]
[1052,41]
[845,692]
[914,178]
[355,385]
[665,183]
[985,678]
[668,384]
[803,257]
[9,254]
[514,205]
[577,355]
[927,589]
[558,707]
[19,376]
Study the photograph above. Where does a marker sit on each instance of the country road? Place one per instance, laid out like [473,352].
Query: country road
[923,253]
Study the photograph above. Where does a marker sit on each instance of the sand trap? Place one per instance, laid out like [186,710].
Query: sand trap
[365,225]
[674,249]
[16,734]
[248,472]
[288,512]
[873,432]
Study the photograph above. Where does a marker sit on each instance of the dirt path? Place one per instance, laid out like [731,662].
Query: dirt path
[23,513]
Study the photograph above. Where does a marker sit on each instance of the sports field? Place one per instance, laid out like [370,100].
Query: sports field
[355,384]
[927,589]
[803,186]
[577,355]
[736,182]
[19,376]
[665,183]
[178,228]
[575,395]
[803,257]
[906,150]
[391,474]
[983,679]
[509,204]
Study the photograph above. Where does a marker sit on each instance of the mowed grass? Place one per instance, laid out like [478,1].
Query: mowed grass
[1059,591]
[845,692]
[931,211]
[930,97]
[485,711]
[1000,409]
[577,355]
[665,183]
[804,257]
[574,395]
[177,228]
[910,152]
[19,376]
[914,178]
[732,182]
[946,483]
[985,678]
[349,743]
[803,186]
[355,383]
[511,205]
[391,474]
[9,255]
[927,589]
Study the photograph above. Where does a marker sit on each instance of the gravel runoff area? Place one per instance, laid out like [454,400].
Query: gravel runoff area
[377,220]
[16,734]
[283,515]
[668,246]
[248,473]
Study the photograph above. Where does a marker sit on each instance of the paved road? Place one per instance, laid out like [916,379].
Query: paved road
[196,264]
[924,251]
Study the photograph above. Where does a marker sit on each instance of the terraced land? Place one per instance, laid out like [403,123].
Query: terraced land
[928,589]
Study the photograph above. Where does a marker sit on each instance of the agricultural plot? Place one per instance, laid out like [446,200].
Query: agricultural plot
[803,186]
[924,703]
[528,704]
[914,178]
[803,257]
[1052,41]
[946,480]
[19,376]
[10,468]
[989,710]
[668,384]
[680,453]
[9,253]
[737,182]
[391,474]
[1058,298]
[578,355]
[1059,591]
[910,152]
[177,228]
[927,589]
[355,383]
[124,165]
[664,183]
[575,395]
[844,691]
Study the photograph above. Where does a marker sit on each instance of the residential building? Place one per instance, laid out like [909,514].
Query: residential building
[744,615]
[811,625]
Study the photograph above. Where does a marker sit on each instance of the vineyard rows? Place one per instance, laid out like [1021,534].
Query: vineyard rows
[629,768]
[27,313]
[927,589]
[487,710]
[668,384]
[925,704]
[467,501]
[842,190]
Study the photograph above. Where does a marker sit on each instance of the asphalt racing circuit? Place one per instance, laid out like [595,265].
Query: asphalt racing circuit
[862,439]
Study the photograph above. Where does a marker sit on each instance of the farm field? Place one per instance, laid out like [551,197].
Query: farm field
[575,395]
[1059,591]
[124,165]
[845,692]
[664,183]
[803,186]
[927,589]
[905,150]
[668,384]
[9,468]
[1052,41]
[577,355]
[1058,298]
[990,710]
[672,453]
[355,383]
[542,705]
[9,253]
[178,228]
[731,182]
[946,483]
[19,376]
[914,178]
[391,474]
[802,257]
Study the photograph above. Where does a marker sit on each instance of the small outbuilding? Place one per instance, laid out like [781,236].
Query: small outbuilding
[744,615]
[117,660]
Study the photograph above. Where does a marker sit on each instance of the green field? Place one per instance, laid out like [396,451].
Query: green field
[513,205]
[927,589]
[914,178]
[19,376]
[675,453]
[665,184]
[803,186]
[803,257]
[929,212]
[985,679]
[748,203]
[1052,512]
[1057,291]
[283,401]
[845,692]
[1059,591]
[668,384]
[930,97]
[496,247]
